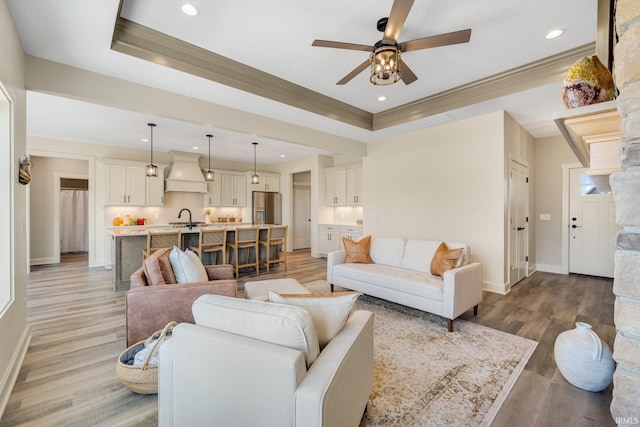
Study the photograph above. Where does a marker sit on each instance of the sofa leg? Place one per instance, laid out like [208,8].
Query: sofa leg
[331,287]
[475,310]
[450,324]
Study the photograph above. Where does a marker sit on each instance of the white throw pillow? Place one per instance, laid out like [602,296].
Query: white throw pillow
[329,311]
[387,250]
[284,325]
[418,254]
[187,267]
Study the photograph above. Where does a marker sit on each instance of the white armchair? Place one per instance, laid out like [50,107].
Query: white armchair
[208,377]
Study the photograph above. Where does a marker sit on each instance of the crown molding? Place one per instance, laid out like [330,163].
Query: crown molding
[145,43]
[547,70]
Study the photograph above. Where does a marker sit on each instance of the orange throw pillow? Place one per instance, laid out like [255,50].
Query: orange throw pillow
[444,259]
[357,252]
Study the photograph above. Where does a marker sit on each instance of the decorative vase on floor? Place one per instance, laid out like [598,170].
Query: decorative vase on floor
[587,82]
[583,358]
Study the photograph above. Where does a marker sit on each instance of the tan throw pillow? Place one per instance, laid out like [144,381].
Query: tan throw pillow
[444,259]
[329,311]
[357,251]
[157,268]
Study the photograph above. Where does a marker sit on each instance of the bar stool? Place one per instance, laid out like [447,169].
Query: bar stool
[244,238]
[276,241]
[214,241]
[157,239]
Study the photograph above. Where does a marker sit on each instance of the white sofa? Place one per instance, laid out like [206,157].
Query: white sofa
[208,377]
[401,273]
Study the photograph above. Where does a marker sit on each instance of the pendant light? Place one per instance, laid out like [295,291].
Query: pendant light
[152,170]
[208,175]
[255,179]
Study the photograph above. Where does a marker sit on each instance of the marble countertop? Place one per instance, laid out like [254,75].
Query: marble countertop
[141,230]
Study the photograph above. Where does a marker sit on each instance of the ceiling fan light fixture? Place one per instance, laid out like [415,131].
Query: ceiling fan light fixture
[385,65]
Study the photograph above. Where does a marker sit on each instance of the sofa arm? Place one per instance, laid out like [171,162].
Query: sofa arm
[150,308]
[462,289]
[219,272]
[223,379]
[337,386]
[334,258]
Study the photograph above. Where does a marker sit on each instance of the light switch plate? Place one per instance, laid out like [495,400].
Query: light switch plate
[545,217]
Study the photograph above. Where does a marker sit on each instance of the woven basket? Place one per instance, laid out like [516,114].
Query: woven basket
[142,379]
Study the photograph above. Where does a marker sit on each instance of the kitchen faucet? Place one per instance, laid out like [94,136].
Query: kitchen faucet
[190,222]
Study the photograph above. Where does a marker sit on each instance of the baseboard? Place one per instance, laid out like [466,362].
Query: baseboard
[496,288]
[43,261]
[547,268]
[11,374]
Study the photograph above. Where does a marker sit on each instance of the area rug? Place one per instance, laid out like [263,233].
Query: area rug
[426,376]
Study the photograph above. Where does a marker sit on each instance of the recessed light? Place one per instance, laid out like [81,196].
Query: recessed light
[553,34]
[382,98]
[283,155]
[189,9]
[145,139]
[196,148]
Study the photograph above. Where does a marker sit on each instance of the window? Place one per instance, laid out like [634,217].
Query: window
[588,187]
[7,172]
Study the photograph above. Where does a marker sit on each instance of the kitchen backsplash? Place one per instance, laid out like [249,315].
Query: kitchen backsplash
[347,215]
[173,202]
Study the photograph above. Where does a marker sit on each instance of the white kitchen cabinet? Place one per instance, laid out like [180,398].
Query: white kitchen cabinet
[213,196]
[354,186]
[268,182]
[234,190]
[350,232]
[329,239]
[154,189]
[344,186]
[336,187]
[125,184]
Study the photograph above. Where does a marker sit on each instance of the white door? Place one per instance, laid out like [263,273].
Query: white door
[592,227]
[518,221]
[301,218]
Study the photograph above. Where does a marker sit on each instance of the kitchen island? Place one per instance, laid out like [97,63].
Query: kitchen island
[127,244]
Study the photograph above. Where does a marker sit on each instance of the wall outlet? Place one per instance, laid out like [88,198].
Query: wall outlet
[156,215]
[545,217]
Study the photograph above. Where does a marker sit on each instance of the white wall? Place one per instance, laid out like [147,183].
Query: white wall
[14,331]
[551,153]
[444,183]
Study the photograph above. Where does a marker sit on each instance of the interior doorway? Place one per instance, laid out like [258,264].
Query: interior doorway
[301,229]
[74,218]
[591,227]
[518,205]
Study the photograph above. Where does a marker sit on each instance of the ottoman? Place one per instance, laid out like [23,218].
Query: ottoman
[259,290]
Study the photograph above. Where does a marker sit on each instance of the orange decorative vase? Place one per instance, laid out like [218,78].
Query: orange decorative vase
[587,82]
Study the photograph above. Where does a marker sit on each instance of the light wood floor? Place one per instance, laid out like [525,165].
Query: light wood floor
[77,326]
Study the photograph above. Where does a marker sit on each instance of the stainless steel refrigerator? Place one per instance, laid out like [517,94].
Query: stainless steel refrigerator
[267,208]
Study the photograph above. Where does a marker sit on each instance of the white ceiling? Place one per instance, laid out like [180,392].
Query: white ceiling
[276,37]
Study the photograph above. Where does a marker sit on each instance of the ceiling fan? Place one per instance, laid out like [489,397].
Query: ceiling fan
[385,61]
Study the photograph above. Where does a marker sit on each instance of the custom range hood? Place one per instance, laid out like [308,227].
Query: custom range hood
[184,173]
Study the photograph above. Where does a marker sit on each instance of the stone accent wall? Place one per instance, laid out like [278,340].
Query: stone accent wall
[625,406]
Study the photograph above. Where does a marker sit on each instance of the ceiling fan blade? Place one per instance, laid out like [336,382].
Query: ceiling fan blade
[406,74]
[341,45]
[360,68]
[397,16]
[446,39]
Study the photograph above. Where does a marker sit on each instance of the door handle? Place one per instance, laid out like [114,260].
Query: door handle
[520,228]
[575,226]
